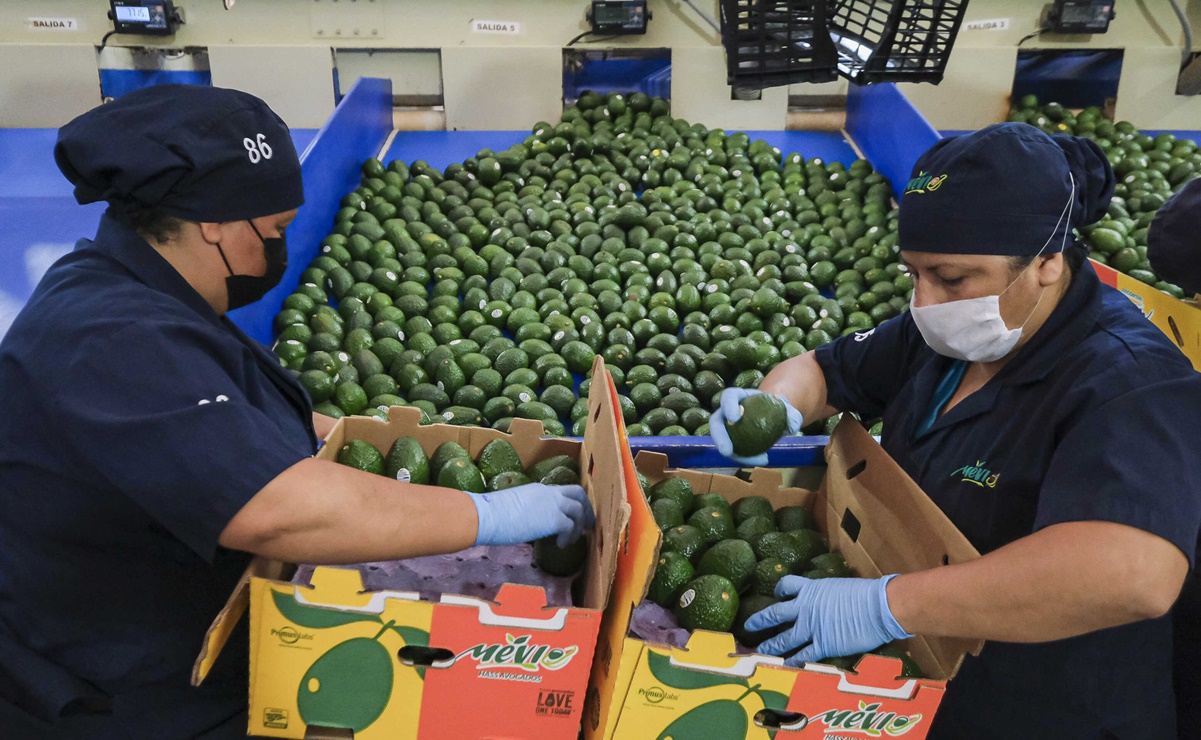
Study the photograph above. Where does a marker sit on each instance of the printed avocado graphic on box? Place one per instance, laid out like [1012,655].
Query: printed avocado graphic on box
[350,684]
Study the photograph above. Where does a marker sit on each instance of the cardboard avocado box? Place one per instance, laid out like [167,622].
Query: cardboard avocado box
[332,658]
[879,520]
[1179,320]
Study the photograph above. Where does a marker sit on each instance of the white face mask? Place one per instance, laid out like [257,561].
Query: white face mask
[972,329]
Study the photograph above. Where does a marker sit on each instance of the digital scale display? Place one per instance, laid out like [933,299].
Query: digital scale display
[147,17]
[1081,16]
[133,15]
[619,16]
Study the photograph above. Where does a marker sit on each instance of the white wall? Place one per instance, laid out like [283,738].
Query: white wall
[284,49]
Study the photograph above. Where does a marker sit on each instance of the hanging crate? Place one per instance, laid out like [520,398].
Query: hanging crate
[777,42]
[894,40]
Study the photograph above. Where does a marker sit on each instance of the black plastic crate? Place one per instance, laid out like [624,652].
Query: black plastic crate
[894,40]
[777,42]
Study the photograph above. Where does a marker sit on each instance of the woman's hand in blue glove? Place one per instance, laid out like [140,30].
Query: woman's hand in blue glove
[829,616]
[532,511]
[730,411]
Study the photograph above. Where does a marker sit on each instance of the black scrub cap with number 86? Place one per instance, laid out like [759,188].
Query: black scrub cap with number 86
[193,152]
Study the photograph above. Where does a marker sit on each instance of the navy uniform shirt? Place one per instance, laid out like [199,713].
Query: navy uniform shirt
[1093,419]
[136,424]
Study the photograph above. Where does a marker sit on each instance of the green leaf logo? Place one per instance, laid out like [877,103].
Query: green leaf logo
[413,636]
[773,699]
[721,718]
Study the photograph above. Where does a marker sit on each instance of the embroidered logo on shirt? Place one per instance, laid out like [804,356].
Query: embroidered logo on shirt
[978,474]
[924,183]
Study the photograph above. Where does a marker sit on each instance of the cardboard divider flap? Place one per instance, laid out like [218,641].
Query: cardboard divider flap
[235,606]
[871,505]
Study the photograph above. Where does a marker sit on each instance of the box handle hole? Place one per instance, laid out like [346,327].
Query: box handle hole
[851,525]
[780,719]
[315,732]
[422,655]
[856,469]
[591,465]
[946,559]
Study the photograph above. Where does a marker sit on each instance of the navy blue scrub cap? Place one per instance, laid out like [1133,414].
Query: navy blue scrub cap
[1173,241]
[1003,190]
[193,152]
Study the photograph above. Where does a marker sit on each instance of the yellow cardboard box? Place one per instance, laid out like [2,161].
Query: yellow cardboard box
[1179,320]
[872,514]
[332,658]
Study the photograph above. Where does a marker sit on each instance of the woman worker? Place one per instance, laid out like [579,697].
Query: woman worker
[149,447]
[1016,359]
[1174,250]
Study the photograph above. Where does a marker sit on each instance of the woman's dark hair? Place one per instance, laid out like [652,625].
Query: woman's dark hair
[149,223]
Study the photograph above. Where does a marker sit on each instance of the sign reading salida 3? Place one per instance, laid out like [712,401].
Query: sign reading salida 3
[519,652]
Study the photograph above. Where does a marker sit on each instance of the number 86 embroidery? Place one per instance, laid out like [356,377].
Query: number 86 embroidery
[257,149]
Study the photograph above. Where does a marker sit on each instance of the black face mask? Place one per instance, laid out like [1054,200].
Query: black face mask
[246,289]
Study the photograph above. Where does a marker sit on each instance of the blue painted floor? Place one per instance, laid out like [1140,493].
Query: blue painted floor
[39,218]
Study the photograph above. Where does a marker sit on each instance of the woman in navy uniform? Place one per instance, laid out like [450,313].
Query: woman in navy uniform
[149,447]
[1174,250]
[1049,420]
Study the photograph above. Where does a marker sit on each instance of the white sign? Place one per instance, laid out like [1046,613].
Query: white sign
[992,24]
[511,27]
[54,24]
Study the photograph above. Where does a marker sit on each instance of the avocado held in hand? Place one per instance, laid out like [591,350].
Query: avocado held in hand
[561,561]
[764,420]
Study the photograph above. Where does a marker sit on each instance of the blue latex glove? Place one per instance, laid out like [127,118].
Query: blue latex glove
[832,616]
[730,411]
[530,512]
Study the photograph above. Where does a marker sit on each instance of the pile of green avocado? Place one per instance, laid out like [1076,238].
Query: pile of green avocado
[1148,168]
[689,258]
[497,467]
[720,562]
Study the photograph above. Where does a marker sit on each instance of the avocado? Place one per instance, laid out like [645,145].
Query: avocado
[667,513]
[671,573]
[749,506]
[708,602]
[507,479]
[713,522]
[789,518]
[498,456]
[461,474]
[542,468]
[561,561]
[734,560]
[674,489]
[764,420]
[768,573]
[406,462]
[446,452]
[361,455]
[749,605]
[686,540]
